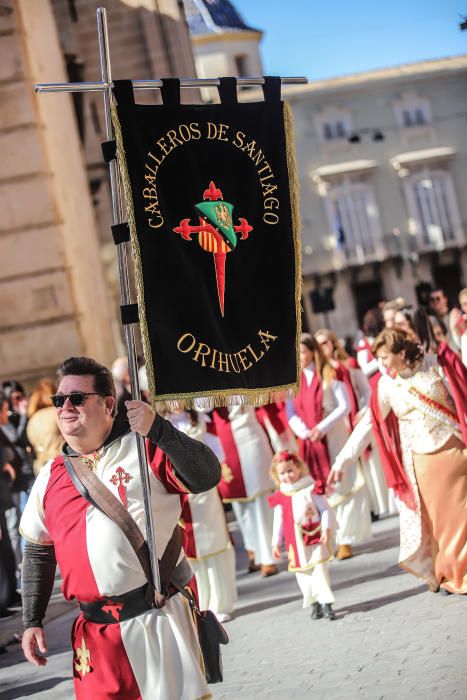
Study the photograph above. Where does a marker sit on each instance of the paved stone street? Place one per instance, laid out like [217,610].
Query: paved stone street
[392,639]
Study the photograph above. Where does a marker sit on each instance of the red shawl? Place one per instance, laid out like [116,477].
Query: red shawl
[386,433]
[456,374]
[309,407]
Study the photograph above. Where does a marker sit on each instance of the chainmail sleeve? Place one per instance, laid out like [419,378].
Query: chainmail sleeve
[37,580]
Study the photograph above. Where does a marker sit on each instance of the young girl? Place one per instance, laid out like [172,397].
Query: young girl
[306,523]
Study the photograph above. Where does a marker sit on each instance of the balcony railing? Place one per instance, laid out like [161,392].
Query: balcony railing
[329,257]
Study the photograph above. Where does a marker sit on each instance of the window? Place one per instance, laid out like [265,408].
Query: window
[414,117]
[432,206]
[412,111]
[354,220]
[241,66]
[334,130]
[333,124]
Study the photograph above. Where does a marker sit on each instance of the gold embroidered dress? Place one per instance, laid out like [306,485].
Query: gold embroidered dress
[433,536]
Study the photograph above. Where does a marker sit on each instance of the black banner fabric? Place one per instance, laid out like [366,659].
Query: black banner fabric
[212,209]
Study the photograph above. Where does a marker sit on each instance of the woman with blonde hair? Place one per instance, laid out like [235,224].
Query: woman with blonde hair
[318,418]
[429,471]
[42,429]
[341,363]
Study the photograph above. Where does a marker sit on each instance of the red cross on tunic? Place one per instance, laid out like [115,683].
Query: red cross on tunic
[120,478]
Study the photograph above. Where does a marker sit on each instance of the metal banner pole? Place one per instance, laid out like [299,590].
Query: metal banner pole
[125,294]
[101,86]
[105,87]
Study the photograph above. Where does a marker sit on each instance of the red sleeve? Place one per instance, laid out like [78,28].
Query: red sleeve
[163,469]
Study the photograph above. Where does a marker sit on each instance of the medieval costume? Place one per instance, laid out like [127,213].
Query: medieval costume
[326,408]
[245,478]
[123,648]
[367,361]
[300,517]
[381,498]
[430,479]
[207,545]
[273,418]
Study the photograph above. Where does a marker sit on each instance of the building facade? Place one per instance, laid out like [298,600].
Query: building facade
[382,159]
[59,291]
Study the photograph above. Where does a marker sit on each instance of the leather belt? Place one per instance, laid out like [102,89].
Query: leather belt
[118,608]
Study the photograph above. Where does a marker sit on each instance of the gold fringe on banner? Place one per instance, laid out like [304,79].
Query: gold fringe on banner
[222,397]
[294,189]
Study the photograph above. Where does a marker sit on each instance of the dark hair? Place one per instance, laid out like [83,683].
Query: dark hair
[85,366]
[396,341]
[349,346]
[420,324]
[9,386]
[373,322]
[422,327]
[194,418]
[3,398]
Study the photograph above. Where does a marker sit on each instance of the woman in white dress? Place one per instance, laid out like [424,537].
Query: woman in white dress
[429,474]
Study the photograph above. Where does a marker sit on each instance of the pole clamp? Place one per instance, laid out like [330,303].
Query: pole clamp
[129,314]
[121,233]
[109,150]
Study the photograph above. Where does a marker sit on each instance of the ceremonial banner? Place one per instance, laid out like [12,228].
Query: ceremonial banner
[212,207]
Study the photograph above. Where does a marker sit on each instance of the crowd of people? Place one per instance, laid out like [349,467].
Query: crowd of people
[378,428]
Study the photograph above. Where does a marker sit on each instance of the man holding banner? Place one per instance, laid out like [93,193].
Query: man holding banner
[122,646]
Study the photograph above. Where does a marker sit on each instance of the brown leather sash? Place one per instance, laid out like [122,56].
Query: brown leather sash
[93,490]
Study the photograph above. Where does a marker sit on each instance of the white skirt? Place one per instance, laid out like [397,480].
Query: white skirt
[163,649]
[215,578]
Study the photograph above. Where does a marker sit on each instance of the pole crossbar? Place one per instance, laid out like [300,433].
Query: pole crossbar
[102,86]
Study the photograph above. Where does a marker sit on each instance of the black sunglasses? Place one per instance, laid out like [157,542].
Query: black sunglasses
[76,398]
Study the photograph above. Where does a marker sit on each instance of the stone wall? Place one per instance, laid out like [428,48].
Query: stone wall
[53,301]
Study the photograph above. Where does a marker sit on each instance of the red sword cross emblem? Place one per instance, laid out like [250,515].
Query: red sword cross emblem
[217,234]
[119,479]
